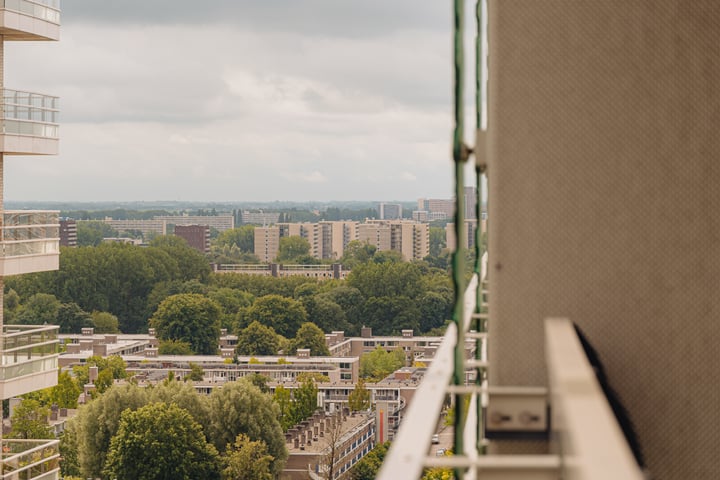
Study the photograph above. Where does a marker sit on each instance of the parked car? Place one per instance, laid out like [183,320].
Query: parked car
[435,438]
[440,452]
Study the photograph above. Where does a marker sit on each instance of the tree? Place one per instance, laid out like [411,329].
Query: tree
[98,421]
[91,233]
[72,318]
[160,442]
[305,400]
[357,252]
[197,374]
[284,314]
[30,420]
[257,339]
[65,394]
[359,398]
[283,398]
[434,310]
[240,407]
[41,308]
[242,237]
[69,464]
[246,459]
[292,249]
[388,315]
[379,363]
[310,336]
[11,306]
[190,318]
[230,301]
[387,279]
[368,466]
[105,322]
[325,313]
[174,347]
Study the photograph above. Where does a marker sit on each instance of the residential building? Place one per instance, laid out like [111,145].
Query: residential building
[266,243]
[323,272]
[218,222]
[468,238]
[411,239]
[197,236]
[30,239]
[68,232]
[147,228]
[390,211]
[335,237]
[259,218]
[376,234]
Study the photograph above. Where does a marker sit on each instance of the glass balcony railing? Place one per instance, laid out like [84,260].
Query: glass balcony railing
[30,460]
[27,113]
[29,232]
[48,10]
[28,349]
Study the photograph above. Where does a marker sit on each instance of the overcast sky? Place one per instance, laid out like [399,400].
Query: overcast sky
[232,100]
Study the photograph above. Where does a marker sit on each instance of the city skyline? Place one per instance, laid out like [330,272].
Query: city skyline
[238,101]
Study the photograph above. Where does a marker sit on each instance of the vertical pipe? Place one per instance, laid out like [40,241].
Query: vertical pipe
[2,227]
[458,258]
[479,325]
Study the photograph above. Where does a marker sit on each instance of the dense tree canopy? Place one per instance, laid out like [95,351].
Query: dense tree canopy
[240,407]
[189,318]
[242,237]
[283,314]
[310,336]
[380,363]
[160,442]
[293,249]
[246,459]
[257,339]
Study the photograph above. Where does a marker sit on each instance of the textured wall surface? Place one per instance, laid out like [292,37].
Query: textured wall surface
[604,167]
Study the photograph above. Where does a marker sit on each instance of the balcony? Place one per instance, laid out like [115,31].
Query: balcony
[30,19]
[29,242]
[29,123]
[30,460]
[29,359]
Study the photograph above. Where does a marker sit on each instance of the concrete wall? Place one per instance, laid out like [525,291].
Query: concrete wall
[603,145]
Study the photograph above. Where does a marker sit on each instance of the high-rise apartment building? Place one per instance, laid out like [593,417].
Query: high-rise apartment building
[30,239]
[197,236]
[390,211]
[68,232]
[410,238]
[266,243]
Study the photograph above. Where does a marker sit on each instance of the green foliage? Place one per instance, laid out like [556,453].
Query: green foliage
[243,238]
[158,442]
[325,313]
[240,407]
[368,466]
[104,380]
[283,399]
[310,336]
[230,301]
[190,318]
[65,394]
[91,233]
[388,315]
[356,253]
[304,400]
[69,464]
[284,315]
[292,250]
[30,420]
[105,322]
[196,373]
[11,306]
[359,398]
[437,240]
[39,309]
[174,347]
[257,339]
[379,363]
[259,285]
[247,460]
[387,279]
[72,319]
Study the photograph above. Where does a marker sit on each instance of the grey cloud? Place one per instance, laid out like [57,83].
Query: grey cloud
[311,17]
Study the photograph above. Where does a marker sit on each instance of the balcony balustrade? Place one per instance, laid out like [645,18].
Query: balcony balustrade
[29,241]
[30,460]
[30,19]
[29,359]
[29,123]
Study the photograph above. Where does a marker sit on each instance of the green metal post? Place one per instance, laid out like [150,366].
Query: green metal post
[458,257]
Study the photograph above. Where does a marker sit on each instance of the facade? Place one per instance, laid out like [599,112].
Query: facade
[411,239]
[323,272]
[390,211]
[197,236]
[68,232]
[30,239]
[468,238]
[218,222]
[259,218]
[145,227]
[266,243]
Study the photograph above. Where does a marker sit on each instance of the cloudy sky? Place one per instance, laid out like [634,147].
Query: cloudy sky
[232,100]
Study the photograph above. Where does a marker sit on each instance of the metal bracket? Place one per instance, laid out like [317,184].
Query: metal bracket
[517,413]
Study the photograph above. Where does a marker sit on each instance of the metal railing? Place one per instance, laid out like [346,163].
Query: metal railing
[28,349]
[29,232]
[48,10]
[29,113]
[30,460]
